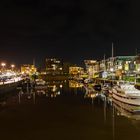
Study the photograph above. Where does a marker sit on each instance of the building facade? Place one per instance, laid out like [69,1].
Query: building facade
[119,67]
[76,70]
[54,66]
[92,68]
[28,69]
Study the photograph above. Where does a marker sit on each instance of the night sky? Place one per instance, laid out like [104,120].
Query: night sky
[73,30]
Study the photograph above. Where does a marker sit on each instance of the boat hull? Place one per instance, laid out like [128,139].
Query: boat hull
[126,99]
[126,107]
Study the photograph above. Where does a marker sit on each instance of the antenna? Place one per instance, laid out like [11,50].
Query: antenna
[112,58]
[112,50]
[34,61]
[104,63]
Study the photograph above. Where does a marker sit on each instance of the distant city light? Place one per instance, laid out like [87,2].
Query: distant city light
[12,65]
[111,69]
[61,86]
[3,64]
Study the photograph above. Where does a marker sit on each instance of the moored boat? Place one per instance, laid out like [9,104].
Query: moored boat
[126,93]
[127,110]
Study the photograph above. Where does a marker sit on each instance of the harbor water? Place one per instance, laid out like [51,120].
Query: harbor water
[64,111]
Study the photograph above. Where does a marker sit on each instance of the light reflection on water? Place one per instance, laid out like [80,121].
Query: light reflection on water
[65,110]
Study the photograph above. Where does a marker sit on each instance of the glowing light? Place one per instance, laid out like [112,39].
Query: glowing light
[93,95]
[3,64]
[54,88]
[61,86]
[111,69]
[58,92]
[12,65]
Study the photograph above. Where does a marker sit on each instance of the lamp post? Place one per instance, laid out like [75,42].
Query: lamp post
[3,65]
[12,66]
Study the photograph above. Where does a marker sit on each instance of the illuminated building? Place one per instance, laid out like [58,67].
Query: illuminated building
[92,68]
[120,66]
[125,63]
[76,70]
[114,67]
[54,66]
[138,64]
[74,84]
[28,69]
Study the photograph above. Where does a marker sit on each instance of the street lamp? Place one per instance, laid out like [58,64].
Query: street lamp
[12,66]
[111,69]
[3,65]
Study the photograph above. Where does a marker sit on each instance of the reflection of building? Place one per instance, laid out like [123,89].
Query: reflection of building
[74,84]
[92,67]
[28,69]
[126,110]
[54,90]
[54,66]
[76,70]
[50,90]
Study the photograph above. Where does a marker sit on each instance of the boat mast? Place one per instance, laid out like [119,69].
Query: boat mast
[104,67]
[112,56]
[34,61]
[112,50]
[112,62]
[136,73]
[104,63]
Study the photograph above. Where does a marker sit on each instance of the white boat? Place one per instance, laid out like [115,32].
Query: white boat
[129,111]
[126,93]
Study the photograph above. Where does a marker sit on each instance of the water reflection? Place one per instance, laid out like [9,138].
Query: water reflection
[75,84]
[56,88]
[55,106]
[126,110]
[51,89]
[120,108]
[91,94]
[28,95]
